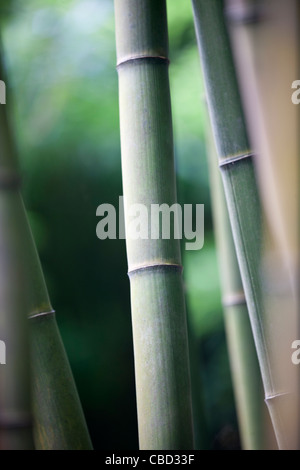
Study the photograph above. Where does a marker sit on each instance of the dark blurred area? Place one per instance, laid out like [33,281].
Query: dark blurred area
[61,65]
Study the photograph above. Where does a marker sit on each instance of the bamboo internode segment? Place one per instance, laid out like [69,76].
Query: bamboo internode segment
[145,121]
[154,265]
[141,33]
[59,423]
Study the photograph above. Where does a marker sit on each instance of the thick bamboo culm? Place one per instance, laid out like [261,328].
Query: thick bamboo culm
[58,421]
[154,265]
[15,379]
[243,201]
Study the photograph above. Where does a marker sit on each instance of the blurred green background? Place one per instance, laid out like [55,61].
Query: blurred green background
[63,93]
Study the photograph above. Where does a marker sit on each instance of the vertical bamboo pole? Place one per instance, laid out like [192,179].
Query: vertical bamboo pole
[247,384]
[243,201]
[154,265]
[265,40]
[15,403]
[58,419]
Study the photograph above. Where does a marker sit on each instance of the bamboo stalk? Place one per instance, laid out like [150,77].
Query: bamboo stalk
[243,202]
[58,418]
[265,39]
[246,378]
[15,409]
[265,45]
[154,265]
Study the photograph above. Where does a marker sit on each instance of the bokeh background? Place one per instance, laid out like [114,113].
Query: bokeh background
[63,94]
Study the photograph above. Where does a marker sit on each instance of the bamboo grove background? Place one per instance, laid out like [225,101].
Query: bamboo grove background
[60,59]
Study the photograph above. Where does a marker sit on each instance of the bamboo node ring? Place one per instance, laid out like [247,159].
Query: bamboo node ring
[138,58]
[234,158]
[41,314]
[156,267]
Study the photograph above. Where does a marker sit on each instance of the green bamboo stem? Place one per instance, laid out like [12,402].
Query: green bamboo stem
[265,40]
[261,31]
[246,378]
[15,409]
[243,202]
[58,419]
[157,299]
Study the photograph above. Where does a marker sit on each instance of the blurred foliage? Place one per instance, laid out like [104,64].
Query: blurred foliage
[64,89]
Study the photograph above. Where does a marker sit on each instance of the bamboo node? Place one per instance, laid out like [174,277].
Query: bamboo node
[156,267]
[41,314]
[276,395]
[138,58]
[234,158]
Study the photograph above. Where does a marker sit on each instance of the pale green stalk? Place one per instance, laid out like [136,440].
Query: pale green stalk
[154,265]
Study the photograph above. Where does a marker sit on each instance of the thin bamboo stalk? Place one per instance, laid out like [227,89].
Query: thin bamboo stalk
[243,202]
[265,45]
[154,265]
[265,39]
[246,378]
[58,418]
